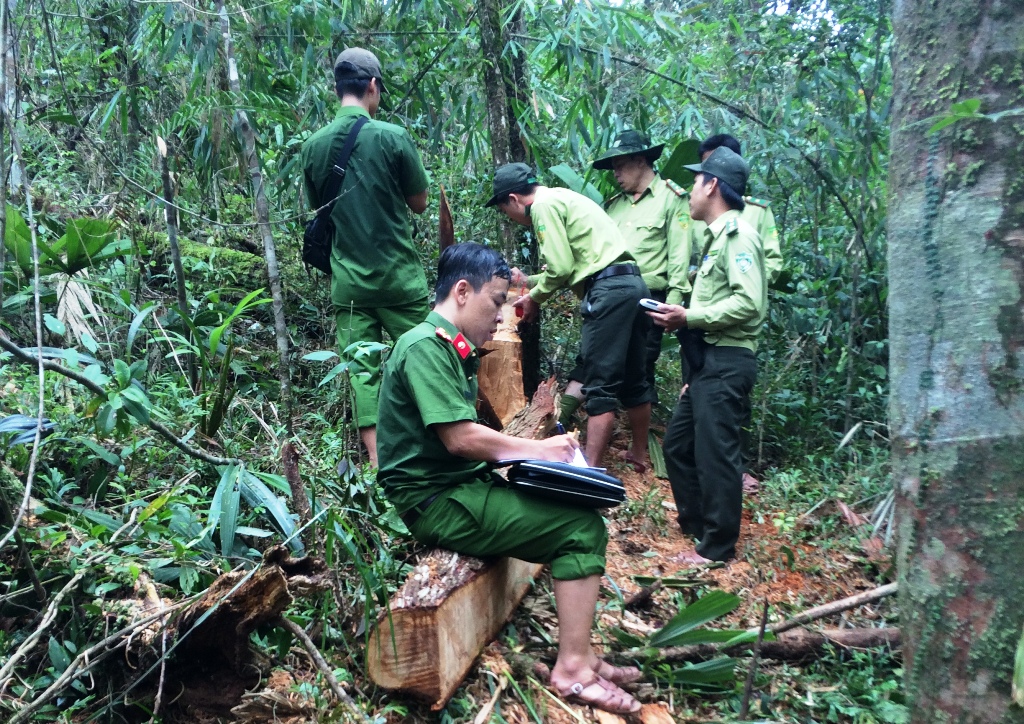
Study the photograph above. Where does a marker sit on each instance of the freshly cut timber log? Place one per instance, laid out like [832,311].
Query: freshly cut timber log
[539,419]
[501,366]
[452,605]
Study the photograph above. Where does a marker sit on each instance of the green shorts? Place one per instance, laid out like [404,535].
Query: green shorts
[483,519]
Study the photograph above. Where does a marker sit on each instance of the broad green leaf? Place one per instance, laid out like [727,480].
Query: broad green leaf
[1017,688]
[54,325]
[136,324]
[101,452]
[59,656]
[335,371]
[89,342]
[258,495]
[106,418]
[229,521]
[154,507]
[321,356]
[685,154]
[706,608]
[122,374]
[713,673]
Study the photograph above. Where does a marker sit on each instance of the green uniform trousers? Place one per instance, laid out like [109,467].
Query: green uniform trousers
[702,450]
[365,324]
[483,519]
[614,345]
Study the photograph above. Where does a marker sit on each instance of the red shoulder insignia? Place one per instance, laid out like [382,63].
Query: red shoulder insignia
[462,346]
[443,334]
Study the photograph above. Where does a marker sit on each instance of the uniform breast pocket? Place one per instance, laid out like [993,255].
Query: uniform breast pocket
[650,236]
[704,284]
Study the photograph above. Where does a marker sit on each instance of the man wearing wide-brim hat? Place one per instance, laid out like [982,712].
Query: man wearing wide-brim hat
[582,249]
[654,217]
[728,304]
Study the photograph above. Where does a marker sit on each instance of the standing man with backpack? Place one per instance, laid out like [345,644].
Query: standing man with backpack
[377,277]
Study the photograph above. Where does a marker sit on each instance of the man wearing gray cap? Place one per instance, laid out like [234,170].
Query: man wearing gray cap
[702,441]
[377,278]
[582,249]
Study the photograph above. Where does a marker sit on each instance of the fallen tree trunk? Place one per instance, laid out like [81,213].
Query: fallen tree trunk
[796,645]
[452,605]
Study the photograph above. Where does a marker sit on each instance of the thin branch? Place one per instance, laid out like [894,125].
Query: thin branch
[81,379]
[295,630]
[844,604]
[38,305]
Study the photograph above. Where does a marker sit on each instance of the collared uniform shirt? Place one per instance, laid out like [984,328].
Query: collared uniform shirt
[576,238]
[758,214]
[657,229]
[730,295]
[373,260]
[427,381]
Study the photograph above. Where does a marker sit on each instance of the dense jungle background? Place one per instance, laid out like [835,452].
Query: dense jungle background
[151,155]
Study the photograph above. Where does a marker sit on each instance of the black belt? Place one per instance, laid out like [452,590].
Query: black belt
[615,270]
[410,516]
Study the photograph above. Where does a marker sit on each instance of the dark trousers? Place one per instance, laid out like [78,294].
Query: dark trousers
[702,450]
[654,335]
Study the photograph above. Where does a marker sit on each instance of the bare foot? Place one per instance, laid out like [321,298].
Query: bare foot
[751,485]
[617,674]
[638,465]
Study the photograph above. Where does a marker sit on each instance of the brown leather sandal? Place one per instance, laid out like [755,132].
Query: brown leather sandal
[600,694]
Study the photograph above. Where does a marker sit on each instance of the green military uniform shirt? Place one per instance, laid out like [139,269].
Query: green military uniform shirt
[373,260]
[657,229]
[429,379]
[730,295]
[758,214]
[577,239]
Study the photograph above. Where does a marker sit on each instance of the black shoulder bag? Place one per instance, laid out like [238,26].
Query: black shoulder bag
[319,235]
[566,483]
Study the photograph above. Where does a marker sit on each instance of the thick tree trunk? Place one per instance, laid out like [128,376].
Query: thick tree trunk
[956,239]
[263,218]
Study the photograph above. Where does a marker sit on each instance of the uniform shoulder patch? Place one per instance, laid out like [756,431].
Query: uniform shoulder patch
[676,188]
[744,261]
[763,203]
[731,226]
[458,342]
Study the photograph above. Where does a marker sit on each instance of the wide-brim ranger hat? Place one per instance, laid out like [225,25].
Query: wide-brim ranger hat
[358,64]
[725,165]
[510,178]
[629,143]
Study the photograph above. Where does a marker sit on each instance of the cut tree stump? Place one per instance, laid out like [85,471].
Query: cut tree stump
[451,606]
[501,366]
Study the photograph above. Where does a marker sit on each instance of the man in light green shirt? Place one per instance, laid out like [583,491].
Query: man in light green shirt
[702,440]
[653,215]
[582,249]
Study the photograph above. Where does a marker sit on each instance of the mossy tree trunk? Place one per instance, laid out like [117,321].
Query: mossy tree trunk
[956,235]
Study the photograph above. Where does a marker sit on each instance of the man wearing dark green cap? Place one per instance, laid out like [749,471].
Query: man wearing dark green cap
[758,213]
[377,278]
[728,303]
[654,217]
[582,249]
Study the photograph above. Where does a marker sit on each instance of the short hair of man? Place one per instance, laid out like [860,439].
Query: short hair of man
[352,87]
[730,196]
[476,263]
[717,141]
[525,190]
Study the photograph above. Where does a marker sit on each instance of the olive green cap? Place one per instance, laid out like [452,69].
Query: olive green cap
[510,178]
[358,64]
[725,165]
[629,143]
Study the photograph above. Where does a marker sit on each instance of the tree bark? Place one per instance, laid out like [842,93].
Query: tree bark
[956,236]
[263,218]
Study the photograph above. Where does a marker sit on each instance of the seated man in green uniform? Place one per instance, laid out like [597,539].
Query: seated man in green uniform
[434,467]
[653,215]
[582,248]
[702,440]
[377,278]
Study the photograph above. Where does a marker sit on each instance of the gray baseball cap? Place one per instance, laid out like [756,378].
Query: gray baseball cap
[511,178]
[726,165]
[358,63]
